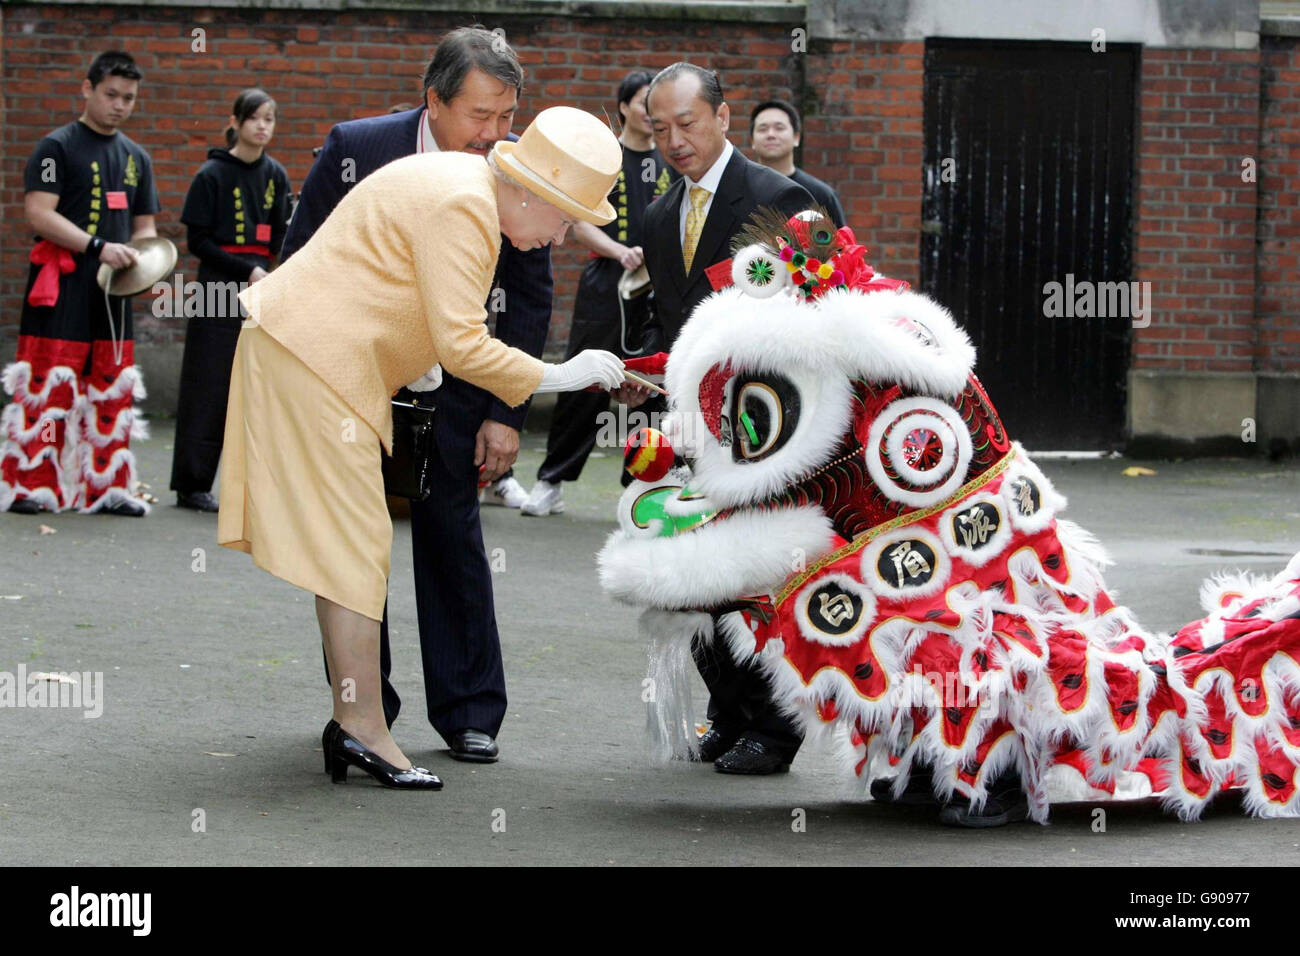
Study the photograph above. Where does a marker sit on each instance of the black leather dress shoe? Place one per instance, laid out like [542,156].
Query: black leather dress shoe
[197,501]
[126,508]
[713,744]
[25,506]
[1006,803]
[346,751]
[753,757]
[474,746]
[917,792]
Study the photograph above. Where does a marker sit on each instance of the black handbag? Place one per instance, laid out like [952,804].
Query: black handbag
[408,471]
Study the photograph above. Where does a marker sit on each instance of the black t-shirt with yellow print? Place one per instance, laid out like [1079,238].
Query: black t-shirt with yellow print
[102,181]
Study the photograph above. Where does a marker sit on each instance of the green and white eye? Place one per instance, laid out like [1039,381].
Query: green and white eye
[758,272]
[764,411]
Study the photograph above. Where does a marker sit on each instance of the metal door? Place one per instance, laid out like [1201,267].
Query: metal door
[1029,181]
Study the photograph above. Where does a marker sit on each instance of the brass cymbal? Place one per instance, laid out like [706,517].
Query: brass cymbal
[157,260]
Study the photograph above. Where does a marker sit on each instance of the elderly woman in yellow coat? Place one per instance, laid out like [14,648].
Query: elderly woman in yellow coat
[391,285]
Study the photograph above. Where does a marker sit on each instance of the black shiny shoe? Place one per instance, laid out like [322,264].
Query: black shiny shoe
[752,757]
[713,744]
[197,501]
[474,746]
[25,506]
[917,792]
[326,742]
[127,508]
[345,751]
[1006,803]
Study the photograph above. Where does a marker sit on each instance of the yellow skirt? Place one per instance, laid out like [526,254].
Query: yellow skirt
[301,486]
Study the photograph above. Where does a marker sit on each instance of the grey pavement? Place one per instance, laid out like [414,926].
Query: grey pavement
[214,702]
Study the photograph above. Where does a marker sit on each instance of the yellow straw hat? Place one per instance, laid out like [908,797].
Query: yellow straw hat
[567,157]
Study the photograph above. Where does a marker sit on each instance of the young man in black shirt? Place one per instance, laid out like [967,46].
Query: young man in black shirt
[89,190]
[774,129]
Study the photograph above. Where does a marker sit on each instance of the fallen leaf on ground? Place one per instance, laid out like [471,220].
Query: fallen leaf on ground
[209,753]
[57,678]
[46,529]
[11,597]
[1136,471]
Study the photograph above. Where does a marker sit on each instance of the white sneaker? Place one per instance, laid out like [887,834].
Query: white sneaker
[544,499]
[505,492]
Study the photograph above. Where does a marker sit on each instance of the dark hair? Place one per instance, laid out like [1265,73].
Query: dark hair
[113,63]
[785,108]
[468,48]
[710,85]
[246,104]
[632,84]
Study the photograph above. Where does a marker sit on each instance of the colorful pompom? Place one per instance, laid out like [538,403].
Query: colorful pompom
[648,455]
[787,253]
[825,271]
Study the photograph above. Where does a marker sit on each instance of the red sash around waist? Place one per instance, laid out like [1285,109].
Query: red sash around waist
[55,262]
[263,251]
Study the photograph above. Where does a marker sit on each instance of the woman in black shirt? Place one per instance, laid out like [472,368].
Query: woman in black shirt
[236,212]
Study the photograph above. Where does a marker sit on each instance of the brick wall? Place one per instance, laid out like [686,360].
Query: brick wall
[1198,118]
[325,67]
[863,112]
[1277,282]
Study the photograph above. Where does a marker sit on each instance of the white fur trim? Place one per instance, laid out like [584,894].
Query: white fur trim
[123,427]
[11,422]
[102,479]
[129,380]
[825,410]
[18,377]
[918,489]
[745,554]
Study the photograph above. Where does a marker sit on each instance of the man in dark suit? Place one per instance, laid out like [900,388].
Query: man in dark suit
[775,128]
[471,91]
[687,230]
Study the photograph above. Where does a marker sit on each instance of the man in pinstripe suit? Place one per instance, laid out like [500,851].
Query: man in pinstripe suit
[471,90]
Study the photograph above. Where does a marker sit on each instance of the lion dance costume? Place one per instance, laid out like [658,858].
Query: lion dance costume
[855,516]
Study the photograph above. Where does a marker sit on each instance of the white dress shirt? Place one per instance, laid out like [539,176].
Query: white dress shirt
[424,141]
[710,182]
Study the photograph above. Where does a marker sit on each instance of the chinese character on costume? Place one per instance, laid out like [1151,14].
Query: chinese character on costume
[855,519]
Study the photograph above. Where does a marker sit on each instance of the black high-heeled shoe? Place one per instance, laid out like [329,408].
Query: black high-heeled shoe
[326,736]
[345,750]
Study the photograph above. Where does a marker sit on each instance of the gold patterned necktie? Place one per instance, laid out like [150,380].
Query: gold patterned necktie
[694,225]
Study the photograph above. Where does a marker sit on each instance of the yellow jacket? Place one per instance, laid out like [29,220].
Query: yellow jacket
[394,282]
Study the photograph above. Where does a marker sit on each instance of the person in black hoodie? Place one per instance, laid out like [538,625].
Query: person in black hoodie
[236,213]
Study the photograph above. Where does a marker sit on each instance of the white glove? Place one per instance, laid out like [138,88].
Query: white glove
[590,367]
[428,381]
